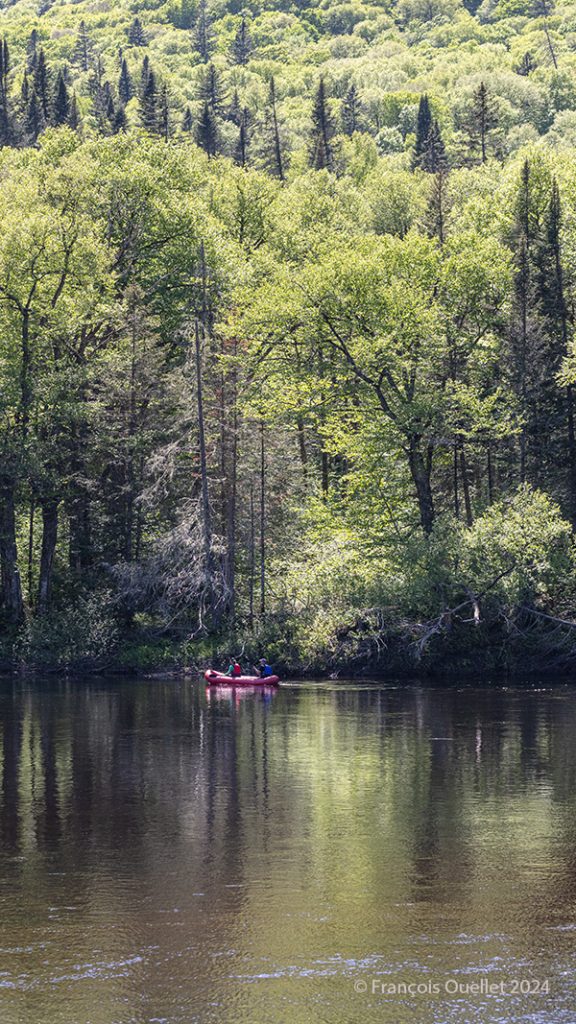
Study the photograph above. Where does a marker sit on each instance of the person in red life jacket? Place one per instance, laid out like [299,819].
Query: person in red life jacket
[234,668]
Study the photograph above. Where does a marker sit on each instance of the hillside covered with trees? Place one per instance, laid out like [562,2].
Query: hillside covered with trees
[287,300]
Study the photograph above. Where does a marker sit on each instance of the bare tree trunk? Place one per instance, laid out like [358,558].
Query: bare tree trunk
[252,558]
[465,485]
[420,470]
[11,585]
[262,523]
[455,482]
[49,508]
[31,547]
[205,496]
[490,475]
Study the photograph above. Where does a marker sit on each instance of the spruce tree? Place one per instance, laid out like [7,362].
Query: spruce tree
[423,126]
[211,90]
[187,122]
[203,32]
[235,109]
[136,35]
[481,120]
[83,49]
[149,104]
[164,127]
[61,110]
[125,87]
[207,130]
[351,114]
[242,45]
[274,157]
[74,114]
[32,51]
[42,84]
[120,122]
[433,158]
[323,130]
[6,127]
[34,121]
[144,73]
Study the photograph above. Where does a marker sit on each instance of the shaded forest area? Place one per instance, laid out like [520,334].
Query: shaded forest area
[287,318]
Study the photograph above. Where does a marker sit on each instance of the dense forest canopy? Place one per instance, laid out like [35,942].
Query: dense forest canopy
[287,316]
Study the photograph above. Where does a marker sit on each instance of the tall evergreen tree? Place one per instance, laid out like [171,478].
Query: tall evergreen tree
[242,45]
[144,73]
[212,91]
[433,157]
[32,51]
[119,123]
[203,32]
[274,156]
[187,122]
[74,114]
[482,118]
[42,84]
[136,34]
[83,52]
[323,131]
[149,104]
[6,126]
[423,127]
[207,130]
[164,127]
[61,109]
[125,87]
[34,121]
[351,114]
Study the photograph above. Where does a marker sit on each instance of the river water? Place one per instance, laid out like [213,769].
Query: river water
[328,853]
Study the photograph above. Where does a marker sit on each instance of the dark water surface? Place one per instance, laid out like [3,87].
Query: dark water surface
[168,856]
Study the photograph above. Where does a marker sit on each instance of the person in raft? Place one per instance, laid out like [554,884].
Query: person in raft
[263,668]
[234,668]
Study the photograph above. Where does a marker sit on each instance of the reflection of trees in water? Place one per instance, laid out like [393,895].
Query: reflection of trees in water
[388,788]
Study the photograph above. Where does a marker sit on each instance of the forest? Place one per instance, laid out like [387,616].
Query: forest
[287,364]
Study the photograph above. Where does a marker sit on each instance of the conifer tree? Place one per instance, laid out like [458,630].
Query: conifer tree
[275,158]
[149,104]
[207,130]
[125,87]
[235,109]
[74,114]
[83,49]
[32,51]
[6,126]
[481,120]
[323,130]
[120,122]
[144,75]
[203,32]
[61,111]
[42,84]
[136,35]
[423,126]
[187,122]
[34,121]
[211,90]
[433,158]
[242,45]
[164,127]
[351,114]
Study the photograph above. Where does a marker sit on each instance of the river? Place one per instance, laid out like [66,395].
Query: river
[328,853]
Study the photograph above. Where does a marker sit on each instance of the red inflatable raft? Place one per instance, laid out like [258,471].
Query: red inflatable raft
[218,679]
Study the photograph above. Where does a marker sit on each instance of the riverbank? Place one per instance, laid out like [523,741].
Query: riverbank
[528,644]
